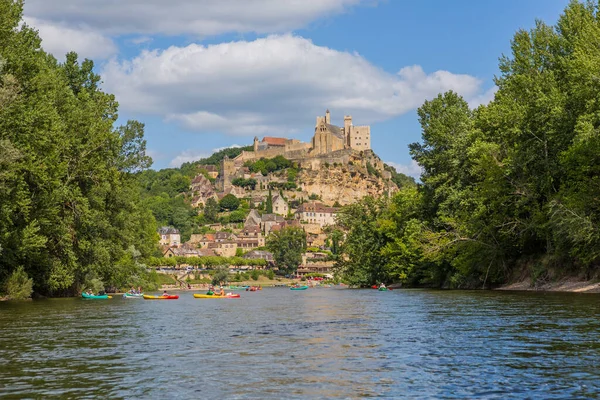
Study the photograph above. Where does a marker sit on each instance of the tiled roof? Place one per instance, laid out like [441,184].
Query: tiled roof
[272,217]
[273,141]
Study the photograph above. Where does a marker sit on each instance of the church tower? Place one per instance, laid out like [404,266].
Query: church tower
[255,144]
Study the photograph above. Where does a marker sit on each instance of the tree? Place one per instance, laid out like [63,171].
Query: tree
[269,203]
[221,275]
[69,202]
[211,210]
[287,246]
[229,203]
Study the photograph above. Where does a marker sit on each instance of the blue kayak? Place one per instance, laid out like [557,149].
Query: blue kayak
[93,296]
[299,288]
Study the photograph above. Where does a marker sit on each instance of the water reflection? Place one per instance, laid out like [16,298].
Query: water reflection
[319,343]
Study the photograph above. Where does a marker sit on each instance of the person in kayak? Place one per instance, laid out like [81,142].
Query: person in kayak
[221,292]
[382,286]
[165,294]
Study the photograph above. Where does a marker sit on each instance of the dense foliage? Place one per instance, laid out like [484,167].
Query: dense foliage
[287,246]
[510,188]
[266,165]
[216,158]
[69,205]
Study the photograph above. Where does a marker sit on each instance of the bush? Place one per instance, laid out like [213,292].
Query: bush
[270,274]
[255,274]
[19,285]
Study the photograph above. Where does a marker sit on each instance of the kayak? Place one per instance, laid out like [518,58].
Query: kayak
[169,297]
[299,288]
[383,289]
[95,297]
[133,296]
[236,288]
[212,296]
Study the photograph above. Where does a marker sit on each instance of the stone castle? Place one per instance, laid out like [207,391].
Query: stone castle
[330,144]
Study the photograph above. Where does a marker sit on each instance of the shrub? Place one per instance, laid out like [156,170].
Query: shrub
[255,274]
[19,285]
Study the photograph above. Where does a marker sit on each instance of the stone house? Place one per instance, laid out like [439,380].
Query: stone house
[225,248]
[213,172]
[268,221]
[202,190]
[280,206]
[251,233]
[253,219]
[316,213]
[169,236]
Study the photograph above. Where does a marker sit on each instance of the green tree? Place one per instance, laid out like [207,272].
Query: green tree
[211,210]
[229,203]
[287,246]
[269,203]
[69,204]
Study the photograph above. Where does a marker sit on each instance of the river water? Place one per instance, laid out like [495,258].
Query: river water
[317,343]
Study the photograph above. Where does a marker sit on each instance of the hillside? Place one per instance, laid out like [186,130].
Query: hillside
[168,194]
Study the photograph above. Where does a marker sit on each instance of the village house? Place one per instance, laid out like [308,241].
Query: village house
[316,213]
[202,190]
[253,219]
[251,233]
[169,236]
[213,172]
[269,220]
[225,248]
[280,206]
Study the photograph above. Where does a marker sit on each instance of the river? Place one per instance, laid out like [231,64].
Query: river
[317,343]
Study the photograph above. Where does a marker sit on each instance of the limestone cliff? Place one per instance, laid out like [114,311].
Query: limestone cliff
[345,184]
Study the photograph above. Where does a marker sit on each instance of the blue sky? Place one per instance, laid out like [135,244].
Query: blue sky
[208,74]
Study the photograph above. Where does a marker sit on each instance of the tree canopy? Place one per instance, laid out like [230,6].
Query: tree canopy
[511,187]
[69,204]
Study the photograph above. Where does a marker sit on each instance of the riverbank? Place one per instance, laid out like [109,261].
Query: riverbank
[564,285]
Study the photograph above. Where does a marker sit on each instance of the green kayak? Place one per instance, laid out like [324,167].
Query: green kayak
[94,297]
[383,289]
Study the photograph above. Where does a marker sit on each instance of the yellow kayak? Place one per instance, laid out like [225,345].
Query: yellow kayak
[169,297]
[211,296]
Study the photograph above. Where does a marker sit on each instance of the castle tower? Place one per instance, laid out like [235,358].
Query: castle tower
[327,117]
[255,144]
[347,128]
[226,173]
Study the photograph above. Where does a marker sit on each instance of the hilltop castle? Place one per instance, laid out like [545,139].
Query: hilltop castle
[330,144]
[327,139]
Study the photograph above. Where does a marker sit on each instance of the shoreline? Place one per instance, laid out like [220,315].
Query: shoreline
[567,285]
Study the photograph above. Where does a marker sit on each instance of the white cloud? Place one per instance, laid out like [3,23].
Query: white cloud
[59,40]
[198,17]
[412,169]
[271,85]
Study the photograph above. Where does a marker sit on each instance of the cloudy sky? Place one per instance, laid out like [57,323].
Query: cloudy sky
[207,74]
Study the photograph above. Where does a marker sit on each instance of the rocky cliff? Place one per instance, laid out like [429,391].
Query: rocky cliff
[345,184]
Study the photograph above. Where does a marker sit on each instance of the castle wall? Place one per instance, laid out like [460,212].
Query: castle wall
[296,145]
